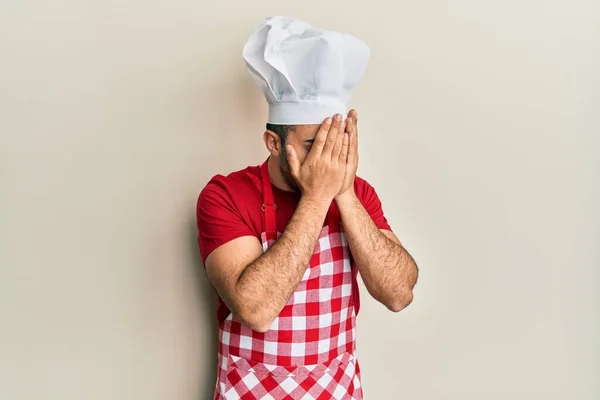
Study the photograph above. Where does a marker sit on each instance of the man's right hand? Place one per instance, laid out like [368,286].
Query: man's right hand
[322,174]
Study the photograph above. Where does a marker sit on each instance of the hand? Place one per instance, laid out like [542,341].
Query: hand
[352,159]
[322,174]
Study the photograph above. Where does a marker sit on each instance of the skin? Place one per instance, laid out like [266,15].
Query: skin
[320,162]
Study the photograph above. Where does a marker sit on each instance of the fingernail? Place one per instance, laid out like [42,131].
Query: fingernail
[328,120]
[338,117]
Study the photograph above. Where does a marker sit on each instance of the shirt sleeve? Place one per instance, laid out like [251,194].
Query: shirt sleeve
[371,203]
[218,219]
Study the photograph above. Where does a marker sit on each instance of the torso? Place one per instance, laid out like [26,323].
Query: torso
[309,351]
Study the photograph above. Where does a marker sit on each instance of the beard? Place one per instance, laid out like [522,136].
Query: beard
[284,167]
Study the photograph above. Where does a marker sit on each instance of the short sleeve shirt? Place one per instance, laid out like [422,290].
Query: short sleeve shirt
[230,207]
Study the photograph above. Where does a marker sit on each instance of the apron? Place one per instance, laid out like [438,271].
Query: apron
[308,352]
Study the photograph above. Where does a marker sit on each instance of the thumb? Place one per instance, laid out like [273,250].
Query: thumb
[292,159]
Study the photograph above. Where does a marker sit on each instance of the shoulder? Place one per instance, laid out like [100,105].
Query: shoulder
[222,210]
[370,200]
[360,182]
[362,188]
[238,184]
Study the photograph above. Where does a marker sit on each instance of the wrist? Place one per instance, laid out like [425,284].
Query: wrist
[348,197]
[318,202]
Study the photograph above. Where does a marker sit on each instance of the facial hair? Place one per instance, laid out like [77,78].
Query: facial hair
[284,167]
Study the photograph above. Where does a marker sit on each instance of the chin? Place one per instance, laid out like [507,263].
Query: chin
[292,185]
[290,181]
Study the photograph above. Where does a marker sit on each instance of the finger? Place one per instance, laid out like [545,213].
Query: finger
[345,147]
[354,115]
[292,159]
[337,149]
[352,142]
[320,139]
[332,135]
[355,127]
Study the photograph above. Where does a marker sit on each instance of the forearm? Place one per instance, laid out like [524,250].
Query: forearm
[387,269]
[266,285]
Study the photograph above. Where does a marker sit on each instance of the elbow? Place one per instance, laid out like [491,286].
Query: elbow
[256,320]
[260,327]
[403,296]
[400,301]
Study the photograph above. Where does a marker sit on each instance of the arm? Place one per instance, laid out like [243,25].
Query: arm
[256,286]
[388,271]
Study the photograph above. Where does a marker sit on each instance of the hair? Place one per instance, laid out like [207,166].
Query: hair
[280,130]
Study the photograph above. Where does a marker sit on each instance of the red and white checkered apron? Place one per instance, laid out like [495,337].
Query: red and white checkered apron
[308,353]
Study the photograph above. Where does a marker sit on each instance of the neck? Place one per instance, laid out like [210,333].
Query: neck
[276,176]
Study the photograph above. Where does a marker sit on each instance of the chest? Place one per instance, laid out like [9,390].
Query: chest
[250,211]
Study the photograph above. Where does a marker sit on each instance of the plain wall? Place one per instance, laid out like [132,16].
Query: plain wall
[479,126]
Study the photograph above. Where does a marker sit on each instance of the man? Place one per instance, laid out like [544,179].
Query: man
[283,242]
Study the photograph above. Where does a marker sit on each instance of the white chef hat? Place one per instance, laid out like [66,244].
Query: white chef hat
[306,74]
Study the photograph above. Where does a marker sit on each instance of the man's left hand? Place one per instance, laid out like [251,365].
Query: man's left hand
[352,159]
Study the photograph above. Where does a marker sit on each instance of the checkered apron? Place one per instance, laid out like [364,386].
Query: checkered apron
[308,352]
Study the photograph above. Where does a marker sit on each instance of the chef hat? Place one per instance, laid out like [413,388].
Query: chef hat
[306,74]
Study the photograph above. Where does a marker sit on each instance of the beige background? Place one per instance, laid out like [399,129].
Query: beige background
[479,129]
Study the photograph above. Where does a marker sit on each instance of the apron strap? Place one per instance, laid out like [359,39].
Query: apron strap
[268,206]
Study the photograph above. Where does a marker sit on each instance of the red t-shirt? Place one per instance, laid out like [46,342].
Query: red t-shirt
[229,207]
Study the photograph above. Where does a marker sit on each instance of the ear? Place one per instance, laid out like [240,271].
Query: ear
[272,143]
